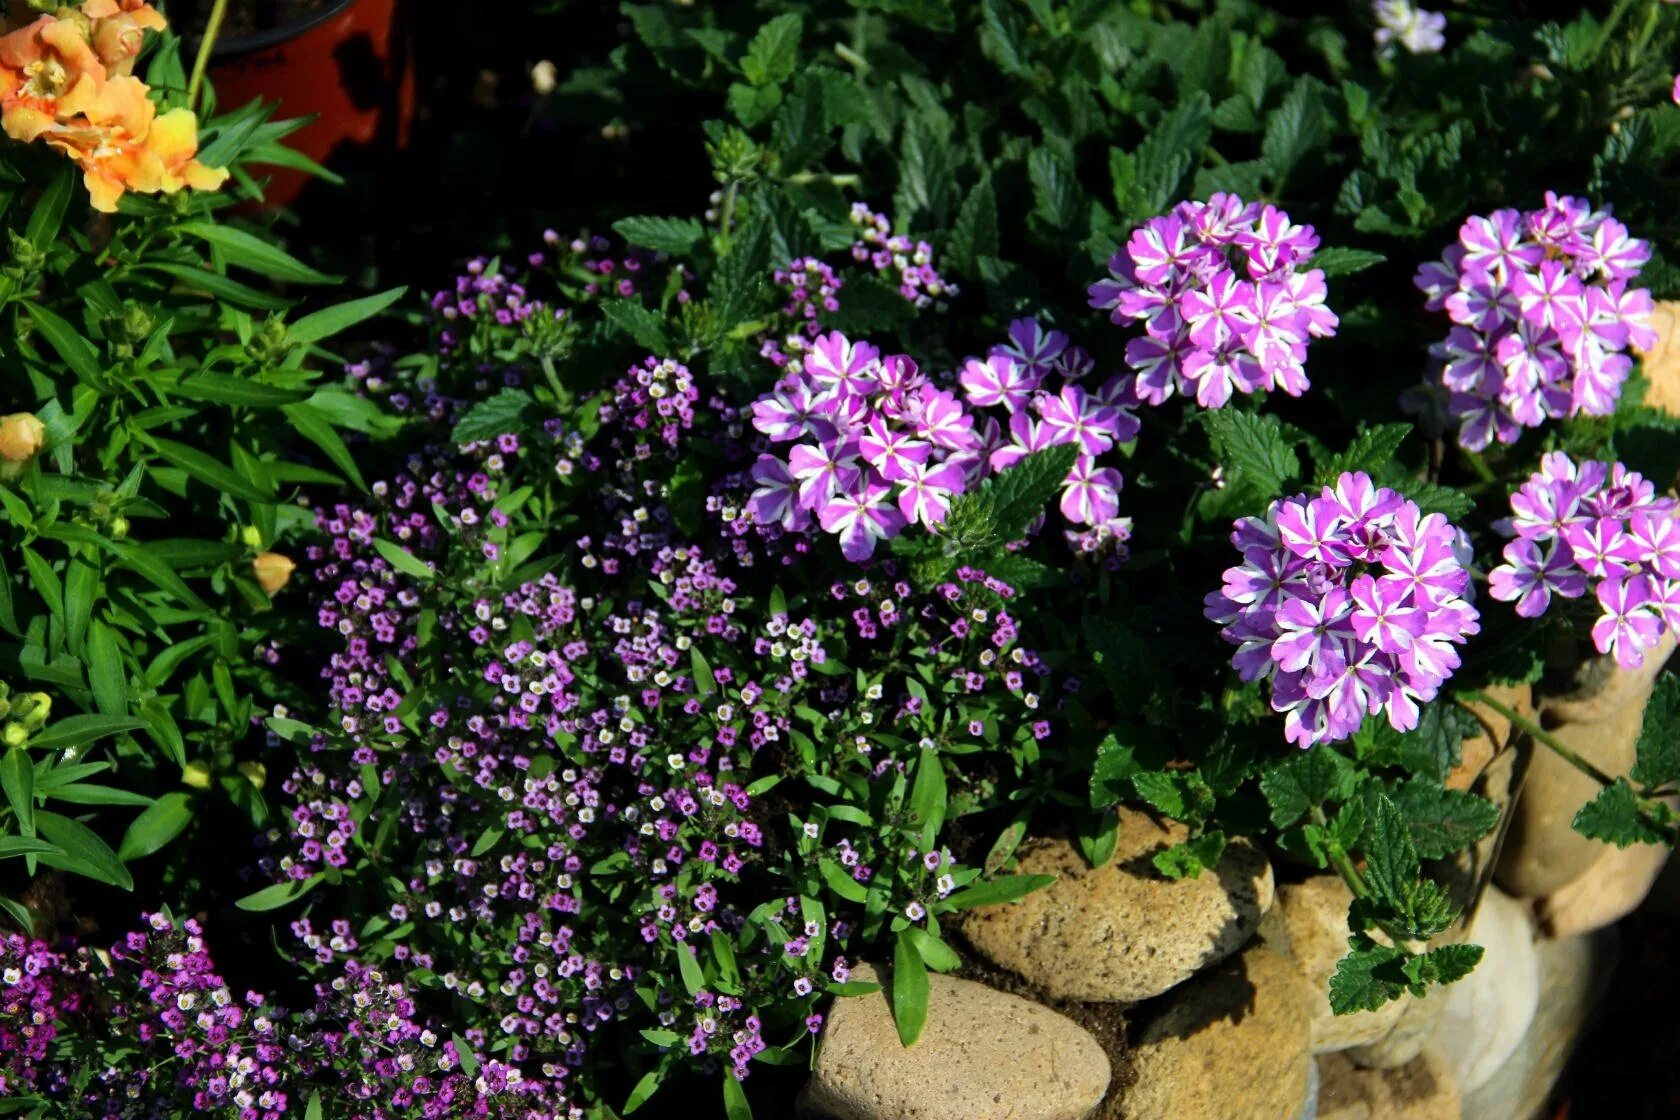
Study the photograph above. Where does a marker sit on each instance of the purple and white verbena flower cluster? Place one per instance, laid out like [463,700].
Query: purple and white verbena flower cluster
[1602,527]
[1226,302]
[1402,23]
[1351,603]
[1544,311]
[878,446]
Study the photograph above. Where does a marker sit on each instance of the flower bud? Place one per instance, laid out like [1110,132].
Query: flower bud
[255,773]
[21,437]
[273,570]
[251,536]
[15,735]
[33,708]
[544,77]
[119,528]
[196,775]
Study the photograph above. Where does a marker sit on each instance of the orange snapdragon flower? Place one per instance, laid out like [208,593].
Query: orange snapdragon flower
[118,30]
[40,66]
[67,80]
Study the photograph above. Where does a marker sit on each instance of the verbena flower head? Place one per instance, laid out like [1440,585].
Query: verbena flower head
[1351,603]
[1602,528]
[1400,23]
[878,446]
[1226,302]
[1544,311]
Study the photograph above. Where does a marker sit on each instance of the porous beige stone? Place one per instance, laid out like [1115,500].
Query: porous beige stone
[1600,721]
[1661,366]
[1309,924]
[1610,890]
[1422,1089]
[1123,932]
[1232,1043]
[983,1055]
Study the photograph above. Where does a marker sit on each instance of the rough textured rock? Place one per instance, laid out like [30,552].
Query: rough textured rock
[1479,750]
[1422,1089]
[1123,933]
[1466,874]
[984,1055]
[1488,1012]
[1599,721]
[1610,890]
[1574,974]
[1309,924]
[1662,364]
[1405,1042]
[1232,1043]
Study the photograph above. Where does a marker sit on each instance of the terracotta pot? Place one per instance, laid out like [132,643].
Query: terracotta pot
[349,66]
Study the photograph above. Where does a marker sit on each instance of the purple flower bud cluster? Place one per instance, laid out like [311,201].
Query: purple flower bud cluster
[1350,603]
[482,298]
[1602,527]
[1543,312]
[878,446]
[812,288]
[1227,303]
[901,261]
[34,998]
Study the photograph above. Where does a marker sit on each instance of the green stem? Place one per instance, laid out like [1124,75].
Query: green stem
[212,29]
[1537,733]
[1343,863]
[1479,465]
[855,60]
[729,195]
[1610,24]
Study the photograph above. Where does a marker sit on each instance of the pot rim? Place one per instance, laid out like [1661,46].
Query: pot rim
[230,48]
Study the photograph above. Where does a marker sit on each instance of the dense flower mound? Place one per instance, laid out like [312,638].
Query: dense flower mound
[1544,312]
[1599,527]
[1226,301]
[878,446]
[1350,603]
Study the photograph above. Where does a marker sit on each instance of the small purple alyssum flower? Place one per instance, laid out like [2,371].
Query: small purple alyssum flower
[1599,527]
[1226,302]
[905,263]
[1350,602]
[1402,23]
[1543,312]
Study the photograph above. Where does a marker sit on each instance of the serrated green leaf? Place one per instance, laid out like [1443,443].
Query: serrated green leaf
[774,51]
[1190,858]
[1614,816]
[508,411]
[1254,448]
[1657,750]
[641,325]
[1391,858]
[1292,788]
[1344,262]
[1442,821]
[1371,451]
[1293,130]
[1367,978]
[678,236]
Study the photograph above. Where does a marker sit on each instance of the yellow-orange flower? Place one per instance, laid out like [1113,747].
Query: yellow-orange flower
[173,144]
[42,66]
[273,571]
[118,30]
[107,139]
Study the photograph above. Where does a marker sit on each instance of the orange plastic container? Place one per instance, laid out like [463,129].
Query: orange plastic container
[350,67]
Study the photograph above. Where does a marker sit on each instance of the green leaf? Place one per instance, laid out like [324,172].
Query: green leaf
[1345,262]
[928,794]
[403,560]
[641,325]
[1391,858]
[1162,792]
[1098,834]
[510,410]
[81,851]
[934,953]
[841,883]
[1431,749]
[167,817]
[1021,492]
[313,424]
[1293,130]
[1112,772]
[329,321]
[1056,194]
[47,218]
[77,353]
[228,388]
[17,778]
[1192,857]
[1432,497]
[735,1106]
[643,1090]
[1442,821]
[1311,778]
[1446,964]
[280,894]
[774,51]
[1657,750]
[1005,888]
[1371,451]
[909,989]
[1367,978]
[678,236]
[313,1112]
[693,979]
[975,232]
[208,470]
[1614,816]
[12,846]
[253,253]
[155,570]
[222,287]
[78,731]
[1253,447]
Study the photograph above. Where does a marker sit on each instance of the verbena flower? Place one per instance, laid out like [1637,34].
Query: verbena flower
[905,263]
[1227,304]
[1595,527]
[1350,603]
[1544,312]
[1399,22]
[877,446]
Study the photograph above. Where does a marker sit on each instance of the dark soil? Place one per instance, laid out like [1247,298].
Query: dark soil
[245,17]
